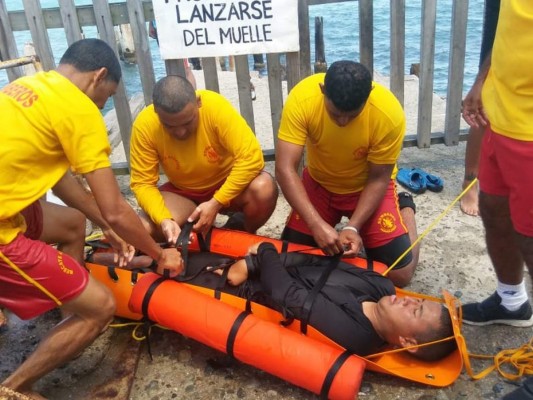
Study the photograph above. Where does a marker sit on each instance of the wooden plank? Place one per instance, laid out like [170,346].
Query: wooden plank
[366,34]
[397,51]
[8,47]
[456,72]
[209,66]
[39,34]
[293,70]
[275,90]
[120,99]
[70,21]
[242,69]
[143,54]
[425,93]
[320,54]
[52,16]
[175,67]
[435,138]
[305,45]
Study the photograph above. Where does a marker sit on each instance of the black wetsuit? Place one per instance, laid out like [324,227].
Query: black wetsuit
[284,282]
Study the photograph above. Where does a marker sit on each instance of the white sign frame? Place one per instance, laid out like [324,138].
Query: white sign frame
[213,28]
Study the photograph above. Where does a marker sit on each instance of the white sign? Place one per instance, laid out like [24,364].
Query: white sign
[210,28]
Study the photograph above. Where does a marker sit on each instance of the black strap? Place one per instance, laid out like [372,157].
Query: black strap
[221,283]
[310,299]
[233,332]
[148,295]
[204,243]
[332,372]
[183,243]
[97,244]
[112,273]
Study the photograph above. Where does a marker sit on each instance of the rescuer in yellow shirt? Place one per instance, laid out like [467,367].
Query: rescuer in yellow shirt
[209,154]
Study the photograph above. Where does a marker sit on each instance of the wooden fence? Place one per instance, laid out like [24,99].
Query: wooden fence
[106,16]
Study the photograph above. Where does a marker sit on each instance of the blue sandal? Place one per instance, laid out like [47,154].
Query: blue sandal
[412,179]
[433,182]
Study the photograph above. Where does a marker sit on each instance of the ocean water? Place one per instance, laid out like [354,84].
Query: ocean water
[341,27]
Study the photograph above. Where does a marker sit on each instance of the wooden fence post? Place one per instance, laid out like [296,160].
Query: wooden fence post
[320,54]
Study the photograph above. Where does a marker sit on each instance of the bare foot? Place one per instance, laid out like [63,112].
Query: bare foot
[470,202]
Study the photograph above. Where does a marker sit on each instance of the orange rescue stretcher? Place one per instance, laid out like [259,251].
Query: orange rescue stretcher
[253,333]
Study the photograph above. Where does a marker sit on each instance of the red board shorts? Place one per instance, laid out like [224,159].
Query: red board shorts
[195,196]
[35,277]
[383,226]
[506,169]
[33,214]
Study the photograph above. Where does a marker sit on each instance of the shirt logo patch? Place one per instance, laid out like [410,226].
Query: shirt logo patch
[62,265]
[172,162]
[387,222]
[211,155]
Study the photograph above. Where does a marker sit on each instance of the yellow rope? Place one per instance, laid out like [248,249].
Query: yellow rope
[94,236]
[519,359]
[431,226]
[30,280]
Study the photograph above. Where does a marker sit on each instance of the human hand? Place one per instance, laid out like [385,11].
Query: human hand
[124,252]
[351,241]
[170,259]
[204,215]
[472,107]
[171,230]
[237,274]
[327,239]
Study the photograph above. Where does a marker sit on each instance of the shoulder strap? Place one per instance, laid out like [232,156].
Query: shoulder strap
[310,299]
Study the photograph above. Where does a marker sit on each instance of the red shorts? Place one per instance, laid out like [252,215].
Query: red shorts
[195,196]
[33,214]
[35,277]
[506,169]
[383,226]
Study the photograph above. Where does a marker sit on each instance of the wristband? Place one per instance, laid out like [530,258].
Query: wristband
[350,228]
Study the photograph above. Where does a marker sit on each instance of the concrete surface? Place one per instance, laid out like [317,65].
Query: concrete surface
[117,367]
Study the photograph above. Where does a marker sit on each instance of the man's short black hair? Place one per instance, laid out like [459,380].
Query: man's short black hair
[347,84]
[172,93]
[92,54]
[439,350]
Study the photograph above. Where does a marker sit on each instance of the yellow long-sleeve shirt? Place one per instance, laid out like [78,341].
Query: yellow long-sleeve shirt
[223,148]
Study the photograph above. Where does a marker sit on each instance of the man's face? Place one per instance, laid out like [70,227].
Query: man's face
[101,92]
[180,125]
[341,118]
[408,316]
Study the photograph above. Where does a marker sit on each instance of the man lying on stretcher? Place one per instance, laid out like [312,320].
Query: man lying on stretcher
[356,308]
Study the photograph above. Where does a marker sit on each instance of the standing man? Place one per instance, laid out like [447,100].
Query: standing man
[506,165]
[51,124]
[210,156]
[353,129]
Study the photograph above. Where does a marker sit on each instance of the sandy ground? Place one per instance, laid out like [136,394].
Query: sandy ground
[453,257]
